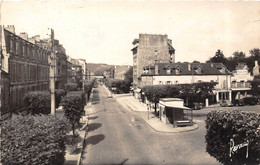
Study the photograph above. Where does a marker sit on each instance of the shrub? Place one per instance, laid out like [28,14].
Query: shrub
[73,105]
[242,126]
[71,87]
[59,93]
[38,102]
[33,140]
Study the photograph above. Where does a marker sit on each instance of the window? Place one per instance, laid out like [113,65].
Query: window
[11,45]
[160,82]
[168,82]
[198,70]
[233,84]
[177,70]
[176,82]
[168,70]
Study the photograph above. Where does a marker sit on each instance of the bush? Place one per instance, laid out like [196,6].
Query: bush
[73,105]
[71,87]
[59,93]
[38,102]
[241,126]
[250,100]
[33,140]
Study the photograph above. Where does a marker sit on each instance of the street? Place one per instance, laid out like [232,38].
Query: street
[119,136]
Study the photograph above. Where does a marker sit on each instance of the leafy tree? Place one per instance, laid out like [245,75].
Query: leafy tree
[73,105]
[129,75]
[238,56]
[219,57]
[255,53]
[256,86]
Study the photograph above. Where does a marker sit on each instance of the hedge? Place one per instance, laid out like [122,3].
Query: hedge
[59,93]
[33,140]
[73,105]
[71,87]
[241,126]
[38,102]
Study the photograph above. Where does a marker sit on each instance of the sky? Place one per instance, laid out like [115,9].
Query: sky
[103,31]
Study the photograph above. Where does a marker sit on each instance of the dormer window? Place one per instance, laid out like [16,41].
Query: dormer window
[168,70]
[178,70]
[198,70]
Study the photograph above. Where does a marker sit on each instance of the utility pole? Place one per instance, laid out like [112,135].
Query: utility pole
[52,74]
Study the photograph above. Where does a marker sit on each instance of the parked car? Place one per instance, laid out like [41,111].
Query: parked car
[197,106]
[238,102]
[250,100]
[226,103]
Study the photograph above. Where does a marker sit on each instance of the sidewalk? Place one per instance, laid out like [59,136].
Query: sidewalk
[129,102]
[75,157]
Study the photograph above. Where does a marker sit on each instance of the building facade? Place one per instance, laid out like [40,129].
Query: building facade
[188,73]
[150,49]
[25,65]
[120,71]
[60,59]
[241,82]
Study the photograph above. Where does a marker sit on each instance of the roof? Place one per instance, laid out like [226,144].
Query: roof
[188,68]
[173,103]
[241,66]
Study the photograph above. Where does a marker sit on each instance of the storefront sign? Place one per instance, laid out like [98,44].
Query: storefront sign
[234,148]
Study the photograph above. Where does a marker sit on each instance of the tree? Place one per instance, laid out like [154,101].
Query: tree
[218,58]
[129,75]
[256,86]
[73,105]
[255,53]
[239,55]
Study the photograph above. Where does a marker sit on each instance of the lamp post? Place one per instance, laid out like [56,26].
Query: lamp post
[52,74]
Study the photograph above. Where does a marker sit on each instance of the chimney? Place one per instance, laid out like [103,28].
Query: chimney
[24,36]
[189,67]
[37,38]
[256,68]
[10,28]
[156,72]
[32,40]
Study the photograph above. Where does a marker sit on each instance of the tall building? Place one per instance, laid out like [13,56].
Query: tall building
[24,68]
[150,49]
[60,60]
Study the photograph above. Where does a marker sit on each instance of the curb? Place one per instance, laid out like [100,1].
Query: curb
[195,125]
[86,129]
[82,144]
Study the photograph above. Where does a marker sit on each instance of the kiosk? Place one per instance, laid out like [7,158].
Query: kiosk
[172,111]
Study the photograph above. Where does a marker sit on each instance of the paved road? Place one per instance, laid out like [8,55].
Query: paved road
[118,136]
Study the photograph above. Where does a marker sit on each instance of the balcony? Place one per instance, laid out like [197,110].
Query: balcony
[240,85]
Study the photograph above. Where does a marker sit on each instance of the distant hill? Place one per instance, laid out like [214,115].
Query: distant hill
[98,69]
